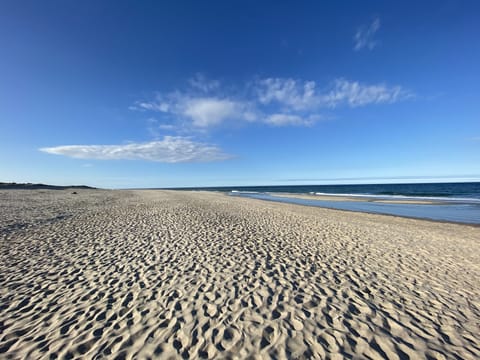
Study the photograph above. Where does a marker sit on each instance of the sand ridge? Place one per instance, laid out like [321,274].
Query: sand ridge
[147,274]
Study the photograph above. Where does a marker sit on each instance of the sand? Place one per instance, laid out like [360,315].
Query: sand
[360,199]
[164,274]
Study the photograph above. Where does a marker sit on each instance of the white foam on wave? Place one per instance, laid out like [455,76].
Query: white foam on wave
[244,192]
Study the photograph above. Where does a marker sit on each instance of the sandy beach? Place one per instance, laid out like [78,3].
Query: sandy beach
[359,198]
[166,274]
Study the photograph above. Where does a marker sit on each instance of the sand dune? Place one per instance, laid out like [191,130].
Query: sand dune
[147,274]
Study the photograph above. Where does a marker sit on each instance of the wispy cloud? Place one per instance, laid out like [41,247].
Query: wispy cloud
[172,149]
[152,106]
[290,92]
[364,37]
[201,105]
[353,94]
[202,83]
[302,95]
[205,112]
[272,101]
[276,102]
[199,111]
[291,119]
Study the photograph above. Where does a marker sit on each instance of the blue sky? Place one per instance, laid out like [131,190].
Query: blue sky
[188,93]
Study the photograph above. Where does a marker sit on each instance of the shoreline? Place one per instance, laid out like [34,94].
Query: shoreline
[362,211]
[361,198]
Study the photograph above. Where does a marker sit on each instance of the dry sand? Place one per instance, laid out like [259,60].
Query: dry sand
[146,274]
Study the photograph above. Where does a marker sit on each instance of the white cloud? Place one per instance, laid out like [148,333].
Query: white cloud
[172,149]
[291,119]
[200,111]
[353,94]
[273,101]
[302,95]
[152,106]
[166,127]
[364,36]
[206,112]
[202,83]
[293,93]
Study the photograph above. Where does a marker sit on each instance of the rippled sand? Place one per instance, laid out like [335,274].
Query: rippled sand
[139,274]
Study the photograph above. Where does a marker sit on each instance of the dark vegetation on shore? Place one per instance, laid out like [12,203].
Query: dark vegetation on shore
[30,186]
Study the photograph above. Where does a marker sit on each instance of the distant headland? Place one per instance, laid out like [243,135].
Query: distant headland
[30,186]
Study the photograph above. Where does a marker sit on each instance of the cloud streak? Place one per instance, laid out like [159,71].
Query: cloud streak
[354,94]
[172,149]
[364,37]
[200,111]
[205,112]
[200,82]
[271,101]
[290,92]
[275,102]
[304,95]
[290,119]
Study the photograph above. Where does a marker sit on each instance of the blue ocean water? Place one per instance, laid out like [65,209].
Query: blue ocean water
[443,191]
[456,202]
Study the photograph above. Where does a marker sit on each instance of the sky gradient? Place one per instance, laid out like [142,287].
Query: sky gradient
[153,94]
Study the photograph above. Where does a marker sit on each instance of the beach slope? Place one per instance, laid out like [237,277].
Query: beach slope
[167,274]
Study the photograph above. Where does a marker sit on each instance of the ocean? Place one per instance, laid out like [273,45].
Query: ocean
[454,202]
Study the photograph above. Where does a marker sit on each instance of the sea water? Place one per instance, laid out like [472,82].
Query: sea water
[456,202]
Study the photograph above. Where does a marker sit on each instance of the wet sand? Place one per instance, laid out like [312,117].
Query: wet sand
[165,274]
[360,198]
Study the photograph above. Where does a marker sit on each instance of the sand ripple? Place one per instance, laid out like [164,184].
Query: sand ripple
[200,275]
